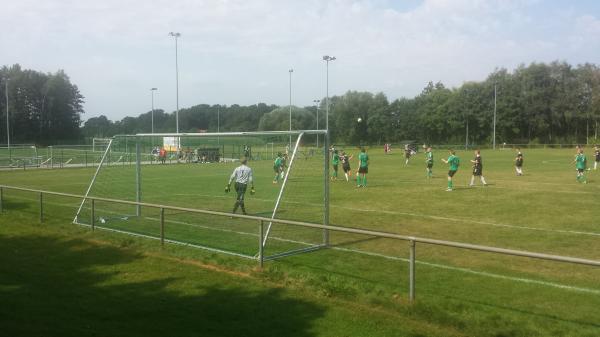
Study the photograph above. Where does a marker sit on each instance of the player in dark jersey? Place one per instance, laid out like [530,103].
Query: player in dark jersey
[477,169]
[346,165]
[519,162]
[596,156]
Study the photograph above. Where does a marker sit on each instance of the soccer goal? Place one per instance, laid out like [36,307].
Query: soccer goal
[19,155]
[100,144]
[192,171]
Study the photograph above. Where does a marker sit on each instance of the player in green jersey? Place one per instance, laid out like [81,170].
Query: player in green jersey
[580,164]
[363,168]
[335,161]
[429,162]
[278,167]
[454,162]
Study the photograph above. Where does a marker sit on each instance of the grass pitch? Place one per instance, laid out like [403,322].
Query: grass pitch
[545,210]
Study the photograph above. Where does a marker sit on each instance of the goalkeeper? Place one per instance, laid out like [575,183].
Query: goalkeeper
[242,176]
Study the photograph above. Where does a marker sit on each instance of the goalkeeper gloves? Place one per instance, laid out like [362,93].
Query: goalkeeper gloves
[252,191]
[227,188]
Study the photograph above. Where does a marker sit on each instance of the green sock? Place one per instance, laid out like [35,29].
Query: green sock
[365,181]
[358,179]
[449,184]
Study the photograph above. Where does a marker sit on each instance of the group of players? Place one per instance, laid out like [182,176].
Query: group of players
[242,175]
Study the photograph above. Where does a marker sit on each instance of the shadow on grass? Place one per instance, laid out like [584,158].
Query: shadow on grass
[55,287]
[11,204]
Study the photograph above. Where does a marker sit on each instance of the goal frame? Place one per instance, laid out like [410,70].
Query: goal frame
[299,133]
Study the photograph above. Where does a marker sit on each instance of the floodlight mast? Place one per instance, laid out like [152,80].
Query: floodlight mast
[317,101]
[152,90]
[176,36]
[7,118]
[290,143]
[327,59]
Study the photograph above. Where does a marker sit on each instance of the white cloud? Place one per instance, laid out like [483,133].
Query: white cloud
[239,51]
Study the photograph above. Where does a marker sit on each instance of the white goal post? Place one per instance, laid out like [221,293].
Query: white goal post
[299,191]
[100,144]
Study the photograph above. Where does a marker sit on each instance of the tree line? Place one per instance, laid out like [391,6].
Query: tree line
[536,103]
[43,108]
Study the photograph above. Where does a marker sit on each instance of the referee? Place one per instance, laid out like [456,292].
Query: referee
[242,176]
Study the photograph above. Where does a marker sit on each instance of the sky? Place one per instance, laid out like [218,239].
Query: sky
[241,51]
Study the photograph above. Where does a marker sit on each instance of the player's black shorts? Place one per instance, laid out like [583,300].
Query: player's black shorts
[241,190]
[346,168]
[407,155]
[429,165]
[451,173]
[364,169]
[335,168]
[598,158]
[519,164]
[477,171]
[276,169]
[580,170]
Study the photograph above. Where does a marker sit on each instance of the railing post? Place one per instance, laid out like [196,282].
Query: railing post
[261,248]
[162,226]
[41,207]
[1,199]
[411,268]
[93,220]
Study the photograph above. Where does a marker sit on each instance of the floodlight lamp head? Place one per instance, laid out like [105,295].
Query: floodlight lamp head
[174,34]
[153,89]
[291,70]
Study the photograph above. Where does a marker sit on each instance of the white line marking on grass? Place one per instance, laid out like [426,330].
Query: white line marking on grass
[357,251]
[435,217]
[434,265]
[479,273]
[482,222]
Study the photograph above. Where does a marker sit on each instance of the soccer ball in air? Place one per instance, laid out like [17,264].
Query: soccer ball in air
[359,119]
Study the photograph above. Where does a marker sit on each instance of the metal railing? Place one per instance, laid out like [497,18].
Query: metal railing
[412,240]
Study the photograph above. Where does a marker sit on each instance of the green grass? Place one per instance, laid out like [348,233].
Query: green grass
[458,291]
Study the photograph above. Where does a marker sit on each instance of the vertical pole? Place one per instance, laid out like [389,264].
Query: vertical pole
[162,226]
[177,86]
[317,125]
[85,154]
[41,207]
[138,176]
[152,116]
[1,199]
[7,119]
[290,143]
[326,196]
[412,272]
[261,248]
[327,105]
[495,96]
[93,219]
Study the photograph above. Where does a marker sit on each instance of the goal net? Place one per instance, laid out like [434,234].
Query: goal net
[20,155]
[100,144]
[192,171]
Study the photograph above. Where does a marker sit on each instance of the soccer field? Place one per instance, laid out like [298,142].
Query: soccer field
[545,211]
